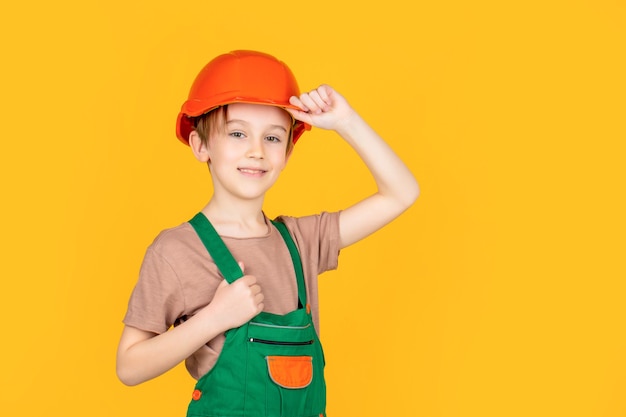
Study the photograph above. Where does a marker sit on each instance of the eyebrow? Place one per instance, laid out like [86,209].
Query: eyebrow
[244,122]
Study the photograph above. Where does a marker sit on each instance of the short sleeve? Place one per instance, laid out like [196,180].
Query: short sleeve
[157,299]
[317,238]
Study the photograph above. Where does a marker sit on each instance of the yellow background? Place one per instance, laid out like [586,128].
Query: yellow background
[500,293]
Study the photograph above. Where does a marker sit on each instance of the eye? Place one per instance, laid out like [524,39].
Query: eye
[236,134]
[273,139]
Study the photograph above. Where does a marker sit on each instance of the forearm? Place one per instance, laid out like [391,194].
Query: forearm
[397,188]
[393,178]
[143,356]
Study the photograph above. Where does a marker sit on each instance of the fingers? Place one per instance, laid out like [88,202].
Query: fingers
[301,115]
[240,301]
[324,92]
[315,101]
[253,291]
[294,100]
[258,300]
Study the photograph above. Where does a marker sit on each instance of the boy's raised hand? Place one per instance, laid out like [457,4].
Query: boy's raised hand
[322,107]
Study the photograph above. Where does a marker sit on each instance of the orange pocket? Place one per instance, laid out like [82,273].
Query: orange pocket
[291,372]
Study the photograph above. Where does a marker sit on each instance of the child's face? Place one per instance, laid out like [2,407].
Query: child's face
[249,153]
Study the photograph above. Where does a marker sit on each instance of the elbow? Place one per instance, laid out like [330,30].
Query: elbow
[410,194]
[414,192]
[126,376]
[403,197]
[126,379]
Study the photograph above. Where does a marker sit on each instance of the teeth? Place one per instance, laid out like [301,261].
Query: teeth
[251,171]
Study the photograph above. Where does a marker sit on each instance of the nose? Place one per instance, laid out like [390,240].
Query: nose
[255,149]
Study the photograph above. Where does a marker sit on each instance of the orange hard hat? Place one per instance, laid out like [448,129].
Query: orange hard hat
[239,77]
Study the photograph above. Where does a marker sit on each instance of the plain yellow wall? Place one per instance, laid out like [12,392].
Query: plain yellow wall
[500,293]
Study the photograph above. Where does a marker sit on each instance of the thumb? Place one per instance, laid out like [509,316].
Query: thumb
[241,266]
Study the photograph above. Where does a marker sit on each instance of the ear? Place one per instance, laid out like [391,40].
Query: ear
[200,150]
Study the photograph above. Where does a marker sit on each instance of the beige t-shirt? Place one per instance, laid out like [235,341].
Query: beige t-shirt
[178,276]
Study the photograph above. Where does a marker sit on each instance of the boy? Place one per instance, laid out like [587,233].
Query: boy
[240,290]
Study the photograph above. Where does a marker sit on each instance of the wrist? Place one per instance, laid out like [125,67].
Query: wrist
[211,321]
[351,126]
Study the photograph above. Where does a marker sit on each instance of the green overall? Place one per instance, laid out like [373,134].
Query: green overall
[273,365]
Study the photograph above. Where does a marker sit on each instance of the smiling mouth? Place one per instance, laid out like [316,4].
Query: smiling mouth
[251,171]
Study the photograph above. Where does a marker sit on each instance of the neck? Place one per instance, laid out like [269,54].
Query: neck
[235,219]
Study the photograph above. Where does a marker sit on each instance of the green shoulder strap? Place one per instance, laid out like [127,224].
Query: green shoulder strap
[227,264]
[297,262]
[222,257]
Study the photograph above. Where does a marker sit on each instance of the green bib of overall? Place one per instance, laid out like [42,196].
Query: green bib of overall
[273,365]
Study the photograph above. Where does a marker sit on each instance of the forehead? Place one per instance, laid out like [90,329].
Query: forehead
[258,114]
